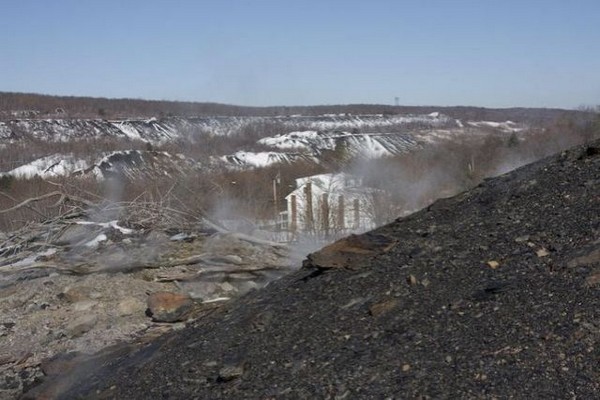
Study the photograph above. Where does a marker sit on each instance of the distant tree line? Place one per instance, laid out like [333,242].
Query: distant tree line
[29,105]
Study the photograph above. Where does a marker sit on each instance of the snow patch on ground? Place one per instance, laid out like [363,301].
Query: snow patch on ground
[96,241]
[350,122]
[129,163]
[30,260]
[251,159]
[506,126]
[292,140]
[128,130]
[110,224]
[369,145]
[49,167]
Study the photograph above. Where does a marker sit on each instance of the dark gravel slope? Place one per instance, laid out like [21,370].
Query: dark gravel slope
[494,293]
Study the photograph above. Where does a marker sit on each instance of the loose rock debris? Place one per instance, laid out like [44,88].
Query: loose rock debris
[79,284]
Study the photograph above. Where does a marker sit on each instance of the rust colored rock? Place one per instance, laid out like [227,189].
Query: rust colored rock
[593,280]
[230,372]
[592,258]
[383,307]
[411,280]
[168,306]
[542,252]
[350,252]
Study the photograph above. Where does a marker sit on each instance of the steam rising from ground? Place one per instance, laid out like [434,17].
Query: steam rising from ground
[445,168]
[438,169]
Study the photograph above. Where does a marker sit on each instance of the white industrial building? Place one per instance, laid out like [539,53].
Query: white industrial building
[330,204]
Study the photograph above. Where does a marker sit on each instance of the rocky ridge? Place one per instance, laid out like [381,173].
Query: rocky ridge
[490,294]
[167,129]
[125,164]
[298,138]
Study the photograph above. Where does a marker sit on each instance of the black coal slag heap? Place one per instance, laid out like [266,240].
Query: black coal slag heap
[494,293]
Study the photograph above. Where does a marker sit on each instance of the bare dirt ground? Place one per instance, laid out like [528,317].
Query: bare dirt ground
[74,286]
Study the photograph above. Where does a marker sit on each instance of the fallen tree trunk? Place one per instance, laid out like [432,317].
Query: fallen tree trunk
[62,198]
[241,236]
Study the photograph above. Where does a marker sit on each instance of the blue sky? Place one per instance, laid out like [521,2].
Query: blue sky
[481,52]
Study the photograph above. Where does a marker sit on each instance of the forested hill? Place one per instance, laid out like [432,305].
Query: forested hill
[29,105]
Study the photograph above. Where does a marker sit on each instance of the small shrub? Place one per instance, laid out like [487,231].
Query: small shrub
[6,181]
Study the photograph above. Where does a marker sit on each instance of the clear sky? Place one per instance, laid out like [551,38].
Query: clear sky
[494,53]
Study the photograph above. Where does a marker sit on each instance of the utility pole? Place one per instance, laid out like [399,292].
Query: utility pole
[308,201]
[276,182]
[294,224]
[325,214]
[341,212]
